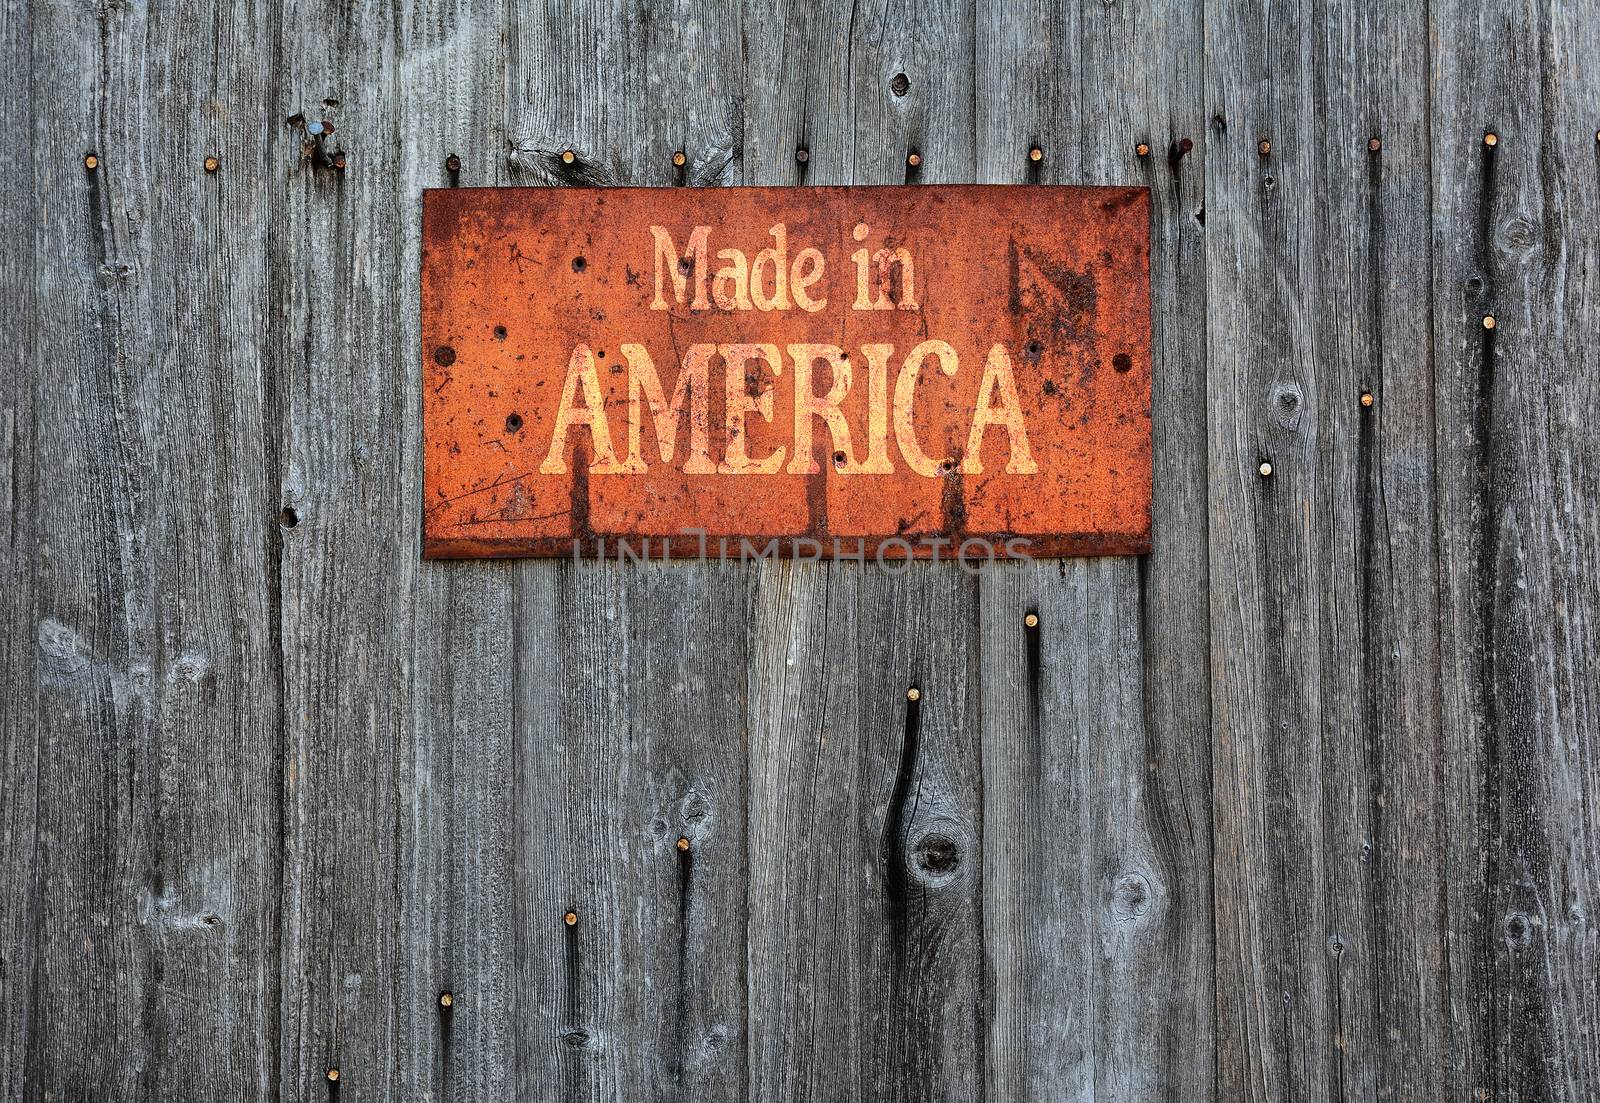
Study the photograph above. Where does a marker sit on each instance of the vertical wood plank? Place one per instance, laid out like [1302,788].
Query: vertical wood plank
[1097,776]
[865,823]
[638,685]
[153,559]
[19,511]
[350,559]
[1515,240]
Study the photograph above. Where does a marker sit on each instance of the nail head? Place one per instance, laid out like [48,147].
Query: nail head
[1374,143]
[1264,146]
[338,161]
[1035,154]
[1031,620]
[1366,398]
[1489,322]
[1266,470]
[333,1075]
[446,999]
[913,159]
[452,163]
[1142,149]
[679,158]
[567,157]
[913,694]
[91,162]
[1491,139]
[802,154]
[683,842]
[212,164]
[570,919]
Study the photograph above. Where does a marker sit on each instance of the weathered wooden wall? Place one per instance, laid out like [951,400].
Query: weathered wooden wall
[1304,805]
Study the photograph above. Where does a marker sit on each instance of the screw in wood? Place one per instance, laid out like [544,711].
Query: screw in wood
[913,694]
[1264,147]
[1491,139]
[1366,398]
[1031,620]
[1035,154]
[1142,149]
[679,158]
[683,842]
[567,157]
[1266,470]
[802,154]
[1489,322]
[212,164]
[452,163]
[333,1076]
[570,919]
[1374,143]
[446,999]
[913,158]
[90,162]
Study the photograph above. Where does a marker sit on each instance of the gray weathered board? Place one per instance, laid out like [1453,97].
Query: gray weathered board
[1303,805]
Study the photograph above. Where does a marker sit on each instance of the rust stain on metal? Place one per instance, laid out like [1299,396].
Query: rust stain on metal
[812,371]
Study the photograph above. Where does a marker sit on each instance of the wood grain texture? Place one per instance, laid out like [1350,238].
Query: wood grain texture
[1302,805]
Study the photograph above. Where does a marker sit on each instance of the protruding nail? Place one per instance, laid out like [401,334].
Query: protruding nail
[452,163]
[679,158]
[1488,321]
[1366,398]
[913,694]
[1263,147]
[212,164]
[570,919]
[1265,469]
[1035,154]
[568,157]
[1491,139]
[90,162]
[1031,620]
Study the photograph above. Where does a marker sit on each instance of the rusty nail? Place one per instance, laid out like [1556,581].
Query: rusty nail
[1488,321]
[1031,620]
[913,694]
[1035,154]
[679,158]
[452,163]
[1374,143]
[683,842]
[1265,469]
[802,154]
[570,919]
[446,999]
[913,158]
[1366,398]
[1491,139]
[212,164]
[567,157]
[333,1076]
[90,162]
[1264,147]
[338,161]
[1142,149]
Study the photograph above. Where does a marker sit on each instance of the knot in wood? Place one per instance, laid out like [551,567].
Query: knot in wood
[1519,929]
[1287,400]
[936,856]
[1130,896]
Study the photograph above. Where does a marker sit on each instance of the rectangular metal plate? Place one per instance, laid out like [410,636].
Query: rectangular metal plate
[888,370]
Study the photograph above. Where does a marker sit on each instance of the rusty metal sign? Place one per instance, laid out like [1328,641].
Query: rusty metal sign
[888,371]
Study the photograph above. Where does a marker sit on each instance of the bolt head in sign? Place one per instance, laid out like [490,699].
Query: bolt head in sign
[844,372]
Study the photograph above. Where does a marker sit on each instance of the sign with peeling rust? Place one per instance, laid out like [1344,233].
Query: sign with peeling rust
[848,372]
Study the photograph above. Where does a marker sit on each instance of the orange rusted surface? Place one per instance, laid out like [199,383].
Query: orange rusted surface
[935,364]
